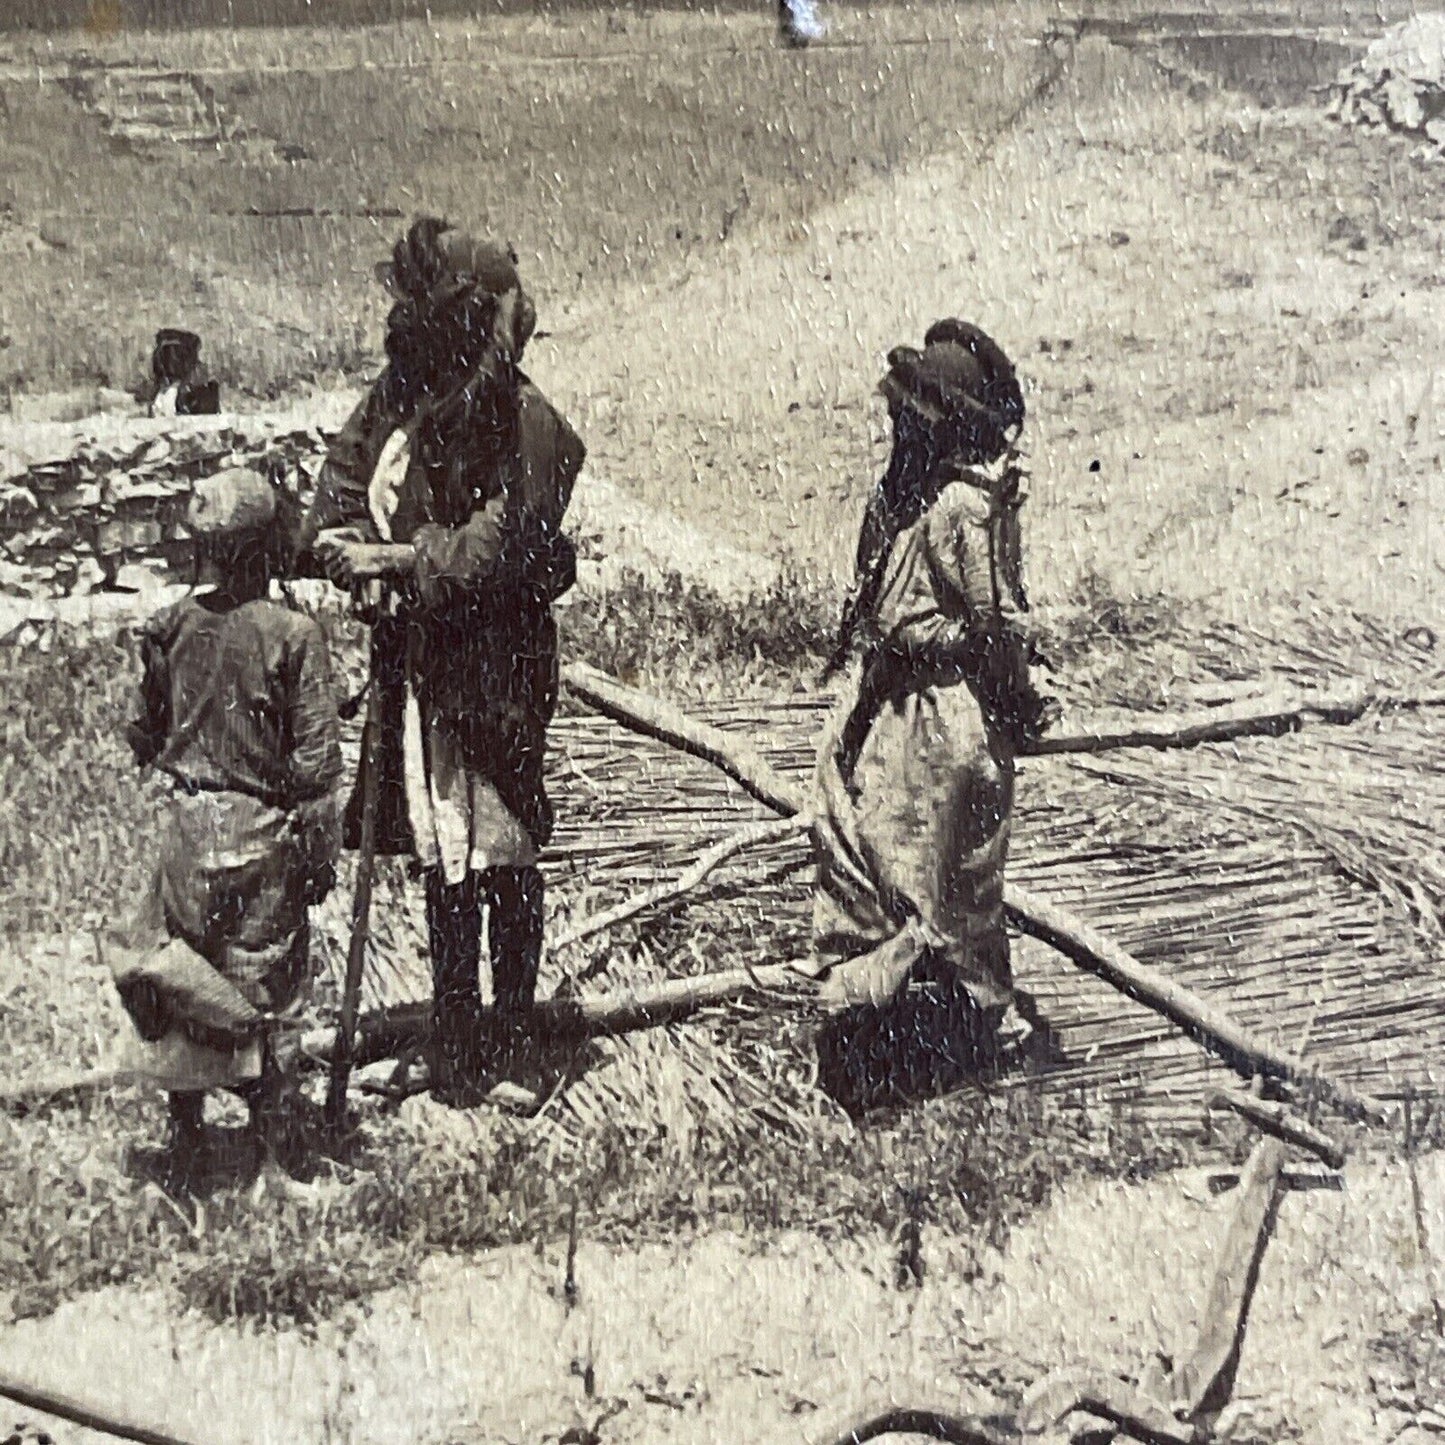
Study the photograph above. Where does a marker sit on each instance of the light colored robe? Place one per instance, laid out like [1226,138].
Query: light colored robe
[912,846]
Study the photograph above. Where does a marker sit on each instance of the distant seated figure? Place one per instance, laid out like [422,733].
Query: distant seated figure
[178,386]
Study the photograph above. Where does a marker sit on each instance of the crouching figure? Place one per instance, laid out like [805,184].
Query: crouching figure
[915,777]
[237,711]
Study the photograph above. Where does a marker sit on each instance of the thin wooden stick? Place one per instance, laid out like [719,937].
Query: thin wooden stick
[764,832]
[77,1412]
[341,1057]
[1222,727]
[1205,1380]
[1417,1204]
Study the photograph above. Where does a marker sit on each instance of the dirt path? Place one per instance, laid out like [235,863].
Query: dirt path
[717,1340]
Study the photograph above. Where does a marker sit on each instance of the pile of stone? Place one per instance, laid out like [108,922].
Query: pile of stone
[146,109]
[1399,83]
[80,507]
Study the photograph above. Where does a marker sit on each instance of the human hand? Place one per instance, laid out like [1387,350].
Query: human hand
[337,557]
[349,563]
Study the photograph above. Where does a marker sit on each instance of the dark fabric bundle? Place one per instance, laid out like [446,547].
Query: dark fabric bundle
[172,986]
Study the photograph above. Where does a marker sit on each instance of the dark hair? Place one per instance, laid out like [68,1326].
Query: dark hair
[177,354]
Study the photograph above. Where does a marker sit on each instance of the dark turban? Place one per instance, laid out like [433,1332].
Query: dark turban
[961,385]
[459,304]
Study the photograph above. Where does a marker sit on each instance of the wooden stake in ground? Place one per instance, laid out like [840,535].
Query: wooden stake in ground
[1205,1381]
[1417,1204]
[344,1048]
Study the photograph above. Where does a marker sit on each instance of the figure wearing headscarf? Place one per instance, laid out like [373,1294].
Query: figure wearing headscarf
[237,710]
[469,662]
[799,23]
[915,778]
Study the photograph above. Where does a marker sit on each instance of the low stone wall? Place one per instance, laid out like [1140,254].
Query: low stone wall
[82,503]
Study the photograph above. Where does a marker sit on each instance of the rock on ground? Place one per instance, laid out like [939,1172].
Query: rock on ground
[1399,82]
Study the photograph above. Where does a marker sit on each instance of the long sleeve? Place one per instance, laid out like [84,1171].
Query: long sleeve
[874,539]
[146,733]
[461,559]
[959,555]
[316,767]
[343,491]
[315,733]
[514,539]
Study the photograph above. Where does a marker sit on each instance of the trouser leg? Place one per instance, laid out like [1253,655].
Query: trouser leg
[274,1101]
[186,1152]
[514,901]
[454,928]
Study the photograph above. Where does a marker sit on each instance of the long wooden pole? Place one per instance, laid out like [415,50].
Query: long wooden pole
[78,1412]
[1205,1022]
[1195,730]
[344,1049]
[1277,1120]
[387,1032]
[668,724]
[1105,733]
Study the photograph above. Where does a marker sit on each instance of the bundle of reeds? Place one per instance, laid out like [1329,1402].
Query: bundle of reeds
[1288,878]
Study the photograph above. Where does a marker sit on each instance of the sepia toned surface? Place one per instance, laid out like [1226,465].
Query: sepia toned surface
[1214,264]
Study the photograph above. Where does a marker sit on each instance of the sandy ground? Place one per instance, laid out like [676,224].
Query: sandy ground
[1244,388]
[1263,406]
[716,1340]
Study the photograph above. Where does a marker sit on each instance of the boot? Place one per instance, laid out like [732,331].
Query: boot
[514,928]
[515,898]
[186,1151]
[454,928]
